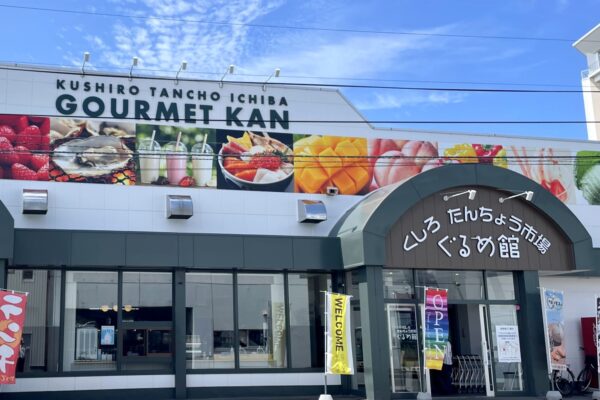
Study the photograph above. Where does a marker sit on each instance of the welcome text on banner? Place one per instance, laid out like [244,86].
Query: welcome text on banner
[338,357]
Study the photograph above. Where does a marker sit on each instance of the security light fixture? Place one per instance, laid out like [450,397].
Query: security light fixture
[134,63]
[179,207]
[182,67]
[332,191]
[275,74]
[86,59]
[311,211]
[472,193]
[229,71]
[35,201]
[528,196]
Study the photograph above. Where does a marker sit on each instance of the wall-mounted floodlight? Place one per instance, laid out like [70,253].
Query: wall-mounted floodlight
[229,71]
[311,211]
[86,59]
[528,196]
[179,207]
[275,74]
[472,193]
[134,63]
[35,201]
[182,67]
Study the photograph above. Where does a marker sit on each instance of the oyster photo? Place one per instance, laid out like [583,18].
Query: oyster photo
[65,129]
[93,156]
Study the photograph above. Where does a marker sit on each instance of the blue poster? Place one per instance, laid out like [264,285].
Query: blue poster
[107,335]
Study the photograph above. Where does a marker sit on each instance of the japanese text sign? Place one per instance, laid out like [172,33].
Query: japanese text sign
[436,327]
[482,232]
[12,320]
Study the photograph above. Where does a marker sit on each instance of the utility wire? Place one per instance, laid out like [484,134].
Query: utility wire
[100,67]
[288,27]
[326,85]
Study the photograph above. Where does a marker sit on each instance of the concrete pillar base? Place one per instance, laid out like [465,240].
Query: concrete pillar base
[553,395]
[423,396]
[596,395]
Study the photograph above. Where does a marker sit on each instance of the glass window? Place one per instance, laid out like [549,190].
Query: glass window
[461,285]
[209,320]
[404,351]
[500,285]
[40,333]
[90,321]
[261,320]
[507,351]
[147,320]
[398,284]
[352,281]
[147,296]
[307,323]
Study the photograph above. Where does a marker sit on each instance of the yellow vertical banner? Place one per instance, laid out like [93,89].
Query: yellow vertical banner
[338,357]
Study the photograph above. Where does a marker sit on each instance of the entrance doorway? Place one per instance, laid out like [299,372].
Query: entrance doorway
[466,367]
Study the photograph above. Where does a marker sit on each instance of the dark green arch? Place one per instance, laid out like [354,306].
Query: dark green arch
[7,233]
[364,243]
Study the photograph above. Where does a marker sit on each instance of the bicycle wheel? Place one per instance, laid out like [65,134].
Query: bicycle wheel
[564,381]
[584,379]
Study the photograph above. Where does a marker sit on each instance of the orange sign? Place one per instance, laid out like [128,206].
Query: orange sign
[12,320]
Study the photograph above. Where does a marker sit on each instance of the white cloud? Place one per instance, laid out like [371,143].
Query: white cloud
[383,101]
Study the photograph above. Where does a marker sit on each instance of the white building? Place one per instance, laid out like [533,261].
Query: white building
[589,46]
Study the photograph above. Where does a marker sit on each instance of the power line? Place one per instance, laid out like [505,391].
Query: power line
[290,27]
[327,85]
[99,67]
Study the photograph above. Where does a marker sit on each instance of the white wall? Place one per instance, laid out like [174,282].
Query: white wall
[580,295]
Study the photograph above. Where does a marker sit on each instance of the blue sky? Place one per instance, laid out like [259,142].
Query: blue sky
[61,38]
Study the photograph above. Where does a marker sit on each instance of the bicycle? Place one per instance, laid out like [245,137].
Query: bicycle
[563,381]
[585,377]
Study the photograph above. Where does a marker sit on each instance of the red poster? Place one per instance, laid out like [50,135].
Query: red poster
[12,320]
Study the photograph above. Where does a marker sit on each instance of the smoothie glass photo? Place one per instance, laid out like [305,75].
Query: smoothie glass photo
[177,158]
[202,163]
[149,152]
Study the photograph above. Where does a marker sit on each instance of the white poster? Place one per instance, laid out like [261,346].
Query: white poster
[509,347]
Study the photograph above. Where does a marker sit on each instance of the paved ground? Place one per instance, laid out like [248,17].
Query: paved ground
[586,397]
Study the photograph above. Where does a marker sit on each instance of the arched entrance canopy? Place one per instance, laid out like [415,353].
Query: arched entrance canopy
[363,229]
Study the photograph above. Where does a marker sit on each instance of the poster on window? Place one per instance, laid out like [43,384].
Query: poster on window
[509,347]
[12,320]
[338,346]
[436,327]
[552,303]
[107,335]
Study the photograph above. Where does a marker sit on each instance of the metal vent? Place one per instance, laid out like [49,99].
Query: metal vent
[311,211]
[179,207]
[35,201]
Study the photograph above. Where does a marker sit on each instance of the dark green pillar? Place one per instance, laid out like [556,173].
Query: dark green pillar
[374,335]
[532,333]
[179,321]
[2,274]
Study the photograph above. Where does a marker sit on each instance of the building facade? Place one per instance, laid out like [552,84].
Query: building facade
[589,46]
[176,253]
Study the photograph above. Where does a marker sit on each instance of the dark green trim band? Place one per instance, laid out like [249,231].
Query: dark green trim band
[366,246]
[155,250]
[7,228]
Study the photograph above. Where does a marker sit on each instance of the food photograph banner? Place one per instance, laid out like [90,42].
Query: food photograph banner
[12,320]
[436,327]
[553,301]
[338,344]
[130,153]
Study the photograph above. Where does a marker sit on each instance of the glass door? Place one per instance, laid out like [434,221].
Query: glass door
[404,348]
[506,348]
[485,350]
